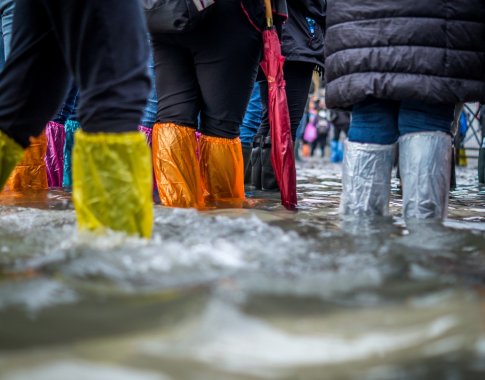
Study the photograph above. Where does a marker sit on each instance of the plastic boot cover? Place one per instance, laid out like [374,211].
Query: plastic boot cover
[425,168]
[70,127]
[340,151]
[112,182]
[334,151]
[147,132]
[30,172]
[54,158]
[176,166]
[222,169]
[256,162]
[10,154]
[268,178]
[247,164]
[366,179]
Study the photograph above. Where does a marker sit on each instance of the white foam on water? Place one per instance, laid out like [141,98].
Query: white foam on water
[186,245]
[35,294]
[81,370]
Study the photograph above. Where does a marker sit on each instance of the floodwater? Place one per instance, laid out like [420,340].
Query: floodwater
[257,293]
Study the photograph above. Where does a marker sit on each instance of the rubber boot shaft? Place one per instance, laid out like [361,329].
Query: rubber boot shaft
[246,150]
[268,178]
[256,162]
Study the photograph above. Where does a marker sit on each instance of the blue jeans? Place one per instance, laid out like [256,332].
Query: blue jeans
[252,117]
[376,121]
[6,21]
[150,113]
[69,108]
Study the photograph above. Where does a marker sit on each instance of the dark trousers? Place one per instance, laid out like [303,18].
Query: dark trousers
[298,77]
[101,43]
[321,141]
[208,72]
[338,129]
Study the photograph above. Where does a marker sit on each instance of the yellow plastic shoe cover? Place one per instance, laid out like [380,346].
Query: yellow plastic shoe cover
[176,166]
[222,169]
[10,154]
[31,172]
[112,182]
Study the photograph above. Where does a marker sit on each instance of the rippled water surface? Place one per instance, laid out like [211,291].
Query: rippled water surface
[257,293]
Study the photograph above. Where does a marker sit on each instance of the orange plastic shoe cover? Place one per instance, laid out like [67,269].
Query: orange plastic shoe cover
[176,166]
[10,154]
[30,172]
[222,169]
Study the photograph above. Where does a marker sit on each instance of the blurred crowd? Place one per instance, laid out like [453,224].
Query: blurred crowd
[80,79]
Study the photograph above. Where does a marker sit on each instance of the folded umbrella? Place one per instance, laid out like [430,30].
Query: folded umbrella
[282,154]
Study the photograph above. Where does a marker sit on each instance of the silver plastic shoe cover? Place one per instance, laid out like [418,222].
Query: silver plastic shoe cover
[366,179]
[425,168]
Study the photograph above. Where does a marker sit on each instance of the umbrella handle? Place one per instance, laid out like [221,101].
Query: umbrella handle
[269,13]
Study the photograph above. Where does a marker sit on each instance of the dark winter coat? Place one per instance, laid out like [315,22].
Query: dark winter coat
[300,41]
[428,50]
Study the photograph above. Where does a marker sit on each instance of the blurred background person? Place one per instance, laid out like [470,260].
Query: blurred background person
[340,123]
[322,123]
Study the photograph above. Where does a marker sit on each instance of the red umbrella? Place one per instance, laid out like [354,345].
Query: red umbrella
[282,154]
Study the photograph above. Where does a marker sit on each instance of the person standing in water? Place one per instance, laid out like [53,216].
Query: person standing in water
[53,41]
[204,80]
[401,66]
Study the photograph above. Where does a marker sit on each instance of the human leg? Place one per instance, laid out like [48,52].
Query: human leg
[150,117]
[268,178]
[68,116]
[174,142]
[335,144]
[323,144]
[6,24]
[28,100]
[226,59]
[425,159]
[2,54]
[150,112]
[298,77]
[249,128]
[368,158]
[55,131]
[111,162]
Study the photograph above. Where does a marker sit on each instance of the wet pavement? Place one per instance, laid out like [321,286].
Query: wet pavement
[256,293]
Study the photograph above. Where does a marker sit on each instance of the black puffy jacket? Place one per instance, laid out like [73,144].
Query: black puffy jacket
[299,42]
[428,50]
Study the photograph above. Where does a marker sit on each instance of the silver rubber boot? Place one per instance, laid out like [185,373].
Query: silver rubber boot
[366,179]
[425,167]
